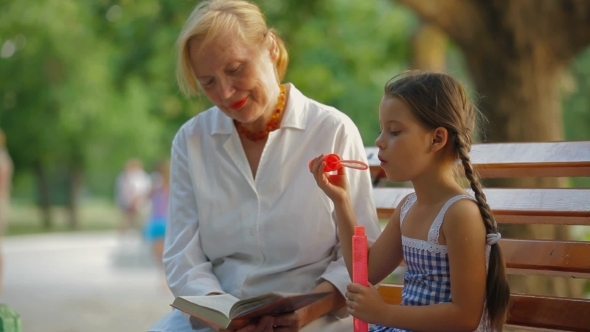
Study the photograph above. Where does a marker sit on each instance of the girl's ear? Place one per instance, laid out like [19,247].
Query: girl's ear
[440,136]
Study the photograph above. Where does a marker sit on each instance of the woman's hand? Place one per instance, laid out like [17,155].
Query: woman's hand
[365,303]
[334,185]
[265,324]
[288,323]
[284,323]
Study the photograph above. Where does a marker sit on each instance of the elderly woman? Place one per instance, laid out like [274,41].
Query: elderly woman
[245,217]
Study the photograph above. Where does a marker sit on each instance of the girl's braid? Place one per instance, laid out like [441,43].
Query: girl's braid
[484,208]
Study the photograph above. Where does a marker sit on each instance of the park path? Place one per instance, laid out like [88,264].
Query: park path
[82,282]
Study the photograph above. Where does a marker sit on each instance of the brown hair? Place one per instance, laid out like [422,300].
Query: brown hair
[211,18]
[438,100]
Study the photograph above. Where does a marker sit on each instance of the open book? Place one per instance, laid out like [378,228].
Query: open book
[228,312]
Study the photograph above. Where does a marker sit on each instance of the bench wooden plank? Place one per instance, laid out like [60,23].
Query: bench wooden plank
[552,313]
[504,160]
[391,293]
[547,257]
[529,311]
[513,205]
[568,259]
[526,206]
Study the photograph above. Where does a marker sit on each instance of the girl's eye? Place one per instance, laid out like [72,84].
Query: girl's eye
[394,133]
[207,83]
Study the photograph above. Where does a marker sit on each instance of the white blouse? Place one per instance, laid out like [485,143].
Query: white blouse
[230,232]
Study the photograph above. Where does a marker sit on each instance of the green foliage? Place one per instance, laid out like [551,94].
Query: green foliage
[344,55]
[88,84]
[576,104]
[86,88]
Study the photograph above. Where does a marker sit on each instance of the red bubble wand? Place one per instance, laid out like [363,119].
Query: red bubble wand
[334,163]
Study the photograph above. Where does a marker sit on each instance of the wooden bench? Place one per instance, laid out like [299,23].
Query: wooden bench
[557,206]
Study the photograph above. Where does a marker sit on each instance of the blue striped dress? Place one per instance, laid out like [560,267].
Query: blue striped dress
[427,279]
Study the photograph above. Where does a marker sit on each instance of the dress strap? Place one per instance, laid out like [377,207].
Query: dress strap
[434,231]
[406,207]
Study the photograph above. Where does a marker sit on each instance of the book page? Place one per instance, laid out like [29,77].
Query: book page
[221,303]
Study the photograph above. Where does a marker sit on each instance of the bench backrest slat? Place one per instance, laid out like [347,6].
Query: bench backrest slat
[505,160]
[521,206]
[547,257]
[563,206]
[539,312]
[569,259]
[550,313]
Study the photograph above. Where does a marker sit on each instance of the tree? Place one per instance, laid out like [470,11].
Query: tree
[59,107]
[516,52]
[429,48]
[344,51]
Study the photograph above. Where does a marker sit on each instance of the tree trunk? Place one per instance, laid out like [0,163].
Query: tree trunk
[429,46]
[43,192]
[520,99]
[516,52]
[75,185]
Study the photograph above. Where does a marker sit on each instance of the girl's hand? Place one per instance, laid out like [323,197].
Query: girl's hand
[334,185]
[365,303]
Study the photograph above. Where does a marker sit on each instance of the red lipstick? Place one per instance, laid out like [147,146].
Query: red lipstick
[238,104]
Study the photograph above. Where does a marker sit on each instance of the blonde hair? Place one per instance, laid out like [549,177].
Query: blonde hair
[211,18]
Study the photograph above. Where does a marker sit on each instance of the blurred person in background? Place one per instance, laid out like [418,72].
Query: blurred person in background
[6,169]
[155,228]
[245,217]
[132,190]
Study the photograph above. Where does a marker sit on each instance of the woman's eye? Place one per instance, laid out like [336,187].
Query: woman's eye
[234,70]
[207,83]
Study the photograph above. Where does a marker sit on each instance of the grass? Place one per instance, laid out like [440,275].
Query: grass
[95,215]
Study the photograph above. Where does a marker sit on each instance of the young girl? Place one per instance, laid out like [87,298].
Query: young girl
[455,278]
